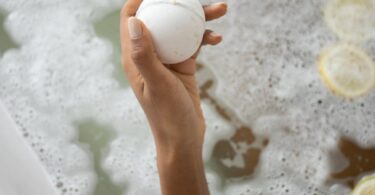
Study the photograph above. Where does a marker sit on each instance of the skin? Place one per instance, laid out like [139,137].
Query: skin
[170,99]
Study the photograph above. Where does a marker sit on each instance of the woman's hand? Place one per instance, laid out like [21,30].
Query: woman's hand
[169,96]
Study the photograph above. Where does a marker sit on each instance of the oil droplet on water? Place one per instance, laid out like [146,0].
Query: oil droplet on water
[361,162]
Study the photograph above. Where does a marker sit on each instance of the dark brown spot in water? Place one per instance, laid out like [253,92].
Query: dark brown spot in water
[199,67]
[265,142]
[224,150]
[244,134]
[204,89]
[361,161]
[205,95]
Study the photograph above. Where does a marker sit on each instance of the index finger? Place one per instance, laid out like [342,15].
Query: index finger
[130,8]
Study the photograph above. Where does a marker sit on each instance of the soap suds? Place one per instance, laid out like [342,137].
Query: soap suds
[264,73]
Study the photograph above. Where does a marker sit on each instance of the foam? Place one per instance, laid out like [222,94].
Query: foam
[282,96]
[62,73]
[140,173]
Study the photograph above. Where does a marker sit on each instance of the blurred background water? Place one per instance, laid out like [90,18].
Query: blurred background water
[273,126]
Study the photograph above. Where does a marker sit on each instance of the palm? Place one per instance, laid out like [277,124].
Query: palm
[165,92]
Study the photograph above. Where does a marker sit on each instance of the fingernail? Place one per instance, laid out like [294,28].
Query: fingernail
[223,4]
[135,28]
[214,35]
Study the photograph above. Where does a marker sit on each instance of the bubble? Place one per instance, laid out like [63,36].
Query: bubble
[59,184]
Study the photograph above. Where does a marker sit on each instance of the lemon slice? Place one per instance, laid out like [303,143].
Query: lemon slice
[365,187]
[347,70]
[351,20]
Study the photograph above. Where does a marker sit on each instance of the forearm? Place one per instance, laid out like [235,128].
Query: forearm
[170,98]
[181,171]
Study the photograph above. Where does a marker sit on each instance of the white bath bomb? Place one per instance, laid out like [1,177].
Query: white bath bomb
[176,27]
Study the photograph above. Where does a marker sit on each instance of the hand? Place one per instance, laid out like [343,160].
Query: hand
[169,96]
[167,93]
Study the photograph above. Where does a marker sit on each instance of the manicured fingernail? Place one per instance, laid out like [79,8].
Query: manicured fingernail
[135,28]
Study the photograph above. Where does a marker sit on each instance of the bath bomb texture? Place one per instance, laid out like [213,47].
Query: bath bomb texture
[176,26]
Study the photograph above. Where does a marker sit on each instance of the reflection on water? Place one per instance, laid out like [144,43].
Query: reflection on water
[108,28]
[361,161]
[97,138]
[5,41]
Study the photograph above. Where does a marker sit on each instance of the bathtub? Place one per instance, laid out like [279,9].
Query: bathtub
[21,172]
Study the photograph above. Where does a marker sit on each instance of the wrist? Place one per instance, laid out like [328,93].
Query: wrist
[172,142]
[181,170]
[169,151]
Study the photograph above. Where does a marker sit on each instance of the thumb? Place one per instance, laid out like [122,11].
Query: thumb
[142,52]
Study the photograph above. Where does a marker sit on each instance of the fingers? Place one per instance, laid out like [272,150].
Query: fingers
[139,58]
[215,11]
[130,8]
[142,52]
[212,12]
[211,38]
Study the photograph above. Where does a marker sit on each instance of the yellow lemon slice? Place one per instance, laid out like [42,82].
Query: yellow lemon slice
[347,70]
[365,187]
[351,20]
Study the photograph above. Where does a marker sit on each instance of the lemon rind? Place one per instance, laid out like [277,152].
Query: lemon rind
[328,17]
[337,89]
[363,184]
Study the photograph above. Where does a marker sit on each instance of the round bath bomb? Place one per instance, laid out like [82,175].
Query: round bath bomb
[176,27]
